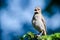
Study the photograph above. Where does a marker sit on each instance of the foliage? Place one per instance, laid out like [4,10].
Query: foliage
[32,36]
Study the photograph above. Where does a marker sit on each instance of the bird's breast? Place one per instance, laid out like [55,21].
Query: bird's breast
[38,22]
[37,17]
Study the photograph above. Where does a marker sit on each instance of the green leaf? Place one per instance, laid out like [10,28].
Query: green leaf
[31,36]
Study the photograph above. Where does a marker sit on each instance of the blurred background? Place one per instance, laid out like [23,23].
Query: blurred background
[16,16]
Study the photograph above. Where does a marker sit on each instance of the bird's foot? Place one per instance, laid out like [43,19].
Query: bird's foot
[40,34]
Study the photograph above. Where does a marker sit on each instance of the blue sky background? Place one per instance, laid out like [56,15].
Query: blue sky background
[16,17]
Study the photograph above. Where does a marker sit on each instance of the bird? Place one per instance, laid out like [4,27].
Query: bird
[39,22]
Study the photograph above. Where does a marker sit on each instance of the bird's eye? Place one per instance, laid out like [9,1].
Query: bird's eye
[35,10]
[38,9]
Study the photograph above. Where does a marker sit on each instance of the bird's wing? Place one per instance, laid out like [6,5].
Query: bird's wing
[33,19]
[43,20]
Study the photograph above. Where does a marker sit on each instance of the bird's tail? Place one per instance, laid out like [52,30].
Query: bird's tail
[44,33]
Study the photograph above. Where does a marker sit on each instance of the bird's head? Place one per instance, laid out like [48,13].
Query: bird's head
[37,10]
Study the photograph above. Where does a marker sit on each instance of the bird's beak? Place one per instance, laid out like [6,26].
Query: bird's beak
[36,12]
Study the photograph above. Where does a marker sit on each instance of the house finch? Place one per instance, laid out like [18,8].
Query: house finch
[38,21]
